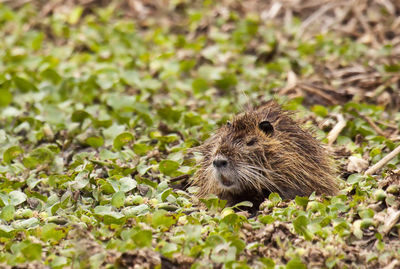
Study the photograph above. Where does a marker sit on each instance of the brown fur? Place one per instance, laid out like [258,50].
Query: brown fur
[289,161]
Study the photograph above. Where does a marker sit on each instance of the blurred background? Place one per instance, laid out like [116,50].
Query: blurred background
[328,52]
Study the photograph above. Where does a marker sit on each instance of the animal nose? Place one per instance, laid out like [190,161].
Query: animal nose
[220,162]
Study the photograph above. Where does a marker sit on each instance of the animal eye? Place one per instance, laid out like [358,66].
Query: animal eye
[266,127]
[228,123]
[251,142]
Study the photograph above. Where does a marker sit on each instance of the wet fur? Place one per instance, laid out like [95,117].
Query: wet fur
[290,161]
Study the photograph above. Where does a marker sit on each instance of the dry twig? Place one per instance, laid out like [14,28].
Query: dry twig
[315,16]
[391,220]
[382,162]
[394,264]
[334,133]
[316,90]
[373,125]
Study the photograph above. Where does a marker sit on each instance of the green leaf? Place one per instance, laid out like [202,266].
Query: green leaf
[223,253]
[301,201]
[141,148]
[26,224]
[102,210]
[5,97]
[300,226]
[6,231]
[268,262]
[165,194]
[24,85]
[11,153]
[320,110]
[7,213]
[169,248]
[101,123]
[17,197]
[97,260]
[379,195]
[365,223]
[200,85]
[214,202]
[354,178]
[38,156]
[226,82]
[122,139]
[143,238]
[374,152]
[126,184]
[75,15]
[59,262]
[169,114]
[79,116]
[161,218]
[52,232]
[114,218]
[131,77]
[30,162]
[168,167]
[95,141]
[32,251]
[266,219]
[193,232]
[392,68]
[81,180]
[51,75]
[295,263]
[191,119]
[243,204]
[136,210]
[110,217]
[118,199]
[37,41]
[274,197]
[366,213]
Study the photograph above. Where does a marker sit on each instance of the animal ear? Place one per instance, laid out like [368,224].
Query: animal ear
[269,110]
[266,127]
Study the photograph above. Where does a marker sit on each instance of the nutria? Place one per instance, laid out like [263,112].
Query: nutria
[261,151]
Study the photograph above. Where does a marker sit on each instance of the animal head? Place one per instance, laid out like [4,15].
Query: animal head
[236,156]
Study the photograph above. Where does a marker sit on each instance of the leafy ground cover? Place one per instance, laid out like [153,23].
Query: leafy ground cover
[99,103]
